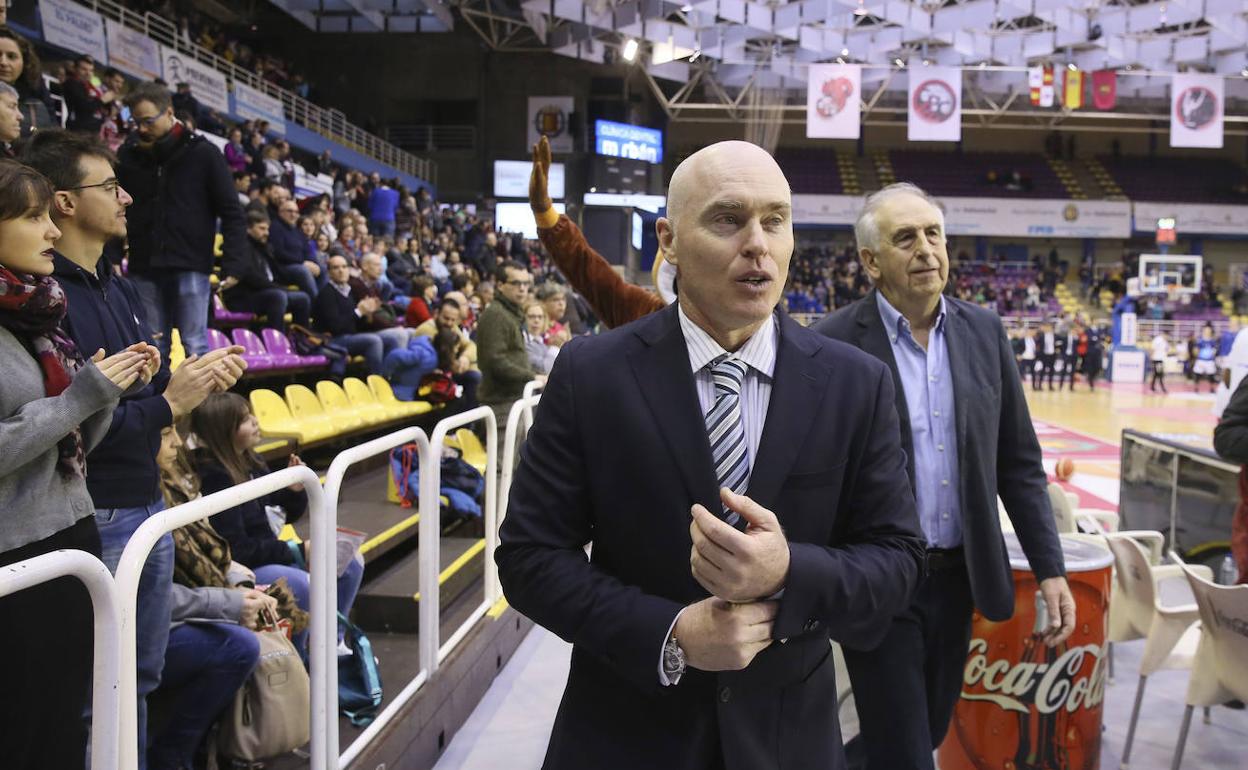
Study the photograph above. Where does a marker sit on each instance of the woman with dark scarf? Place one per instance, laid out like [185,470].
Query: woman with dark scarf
[20,68]
[54,408]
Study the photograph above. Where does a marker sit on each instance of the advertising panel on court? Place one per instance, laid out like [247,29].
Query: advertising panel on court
[250,104]
[1192,218]
[1196,108]
[208,85]
[132,52]
[551,116]
[69,25]
[833,101]
[935,104]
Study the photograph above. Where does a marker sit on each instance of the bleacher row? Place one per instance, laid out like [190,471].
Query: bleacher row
[1026,175]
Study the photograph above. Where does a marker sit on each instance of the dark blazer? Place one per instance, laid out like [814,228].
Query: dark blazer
[998,453]
[246,526]
[252,266]
[617,457]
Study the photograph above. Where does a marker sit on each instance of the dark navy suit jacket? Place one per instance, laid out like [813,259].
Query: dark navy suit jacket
[617,456]
[998,453]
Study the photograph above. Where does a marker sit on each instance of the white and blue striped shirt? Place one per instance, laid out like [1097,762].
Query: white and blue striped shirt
[758,353]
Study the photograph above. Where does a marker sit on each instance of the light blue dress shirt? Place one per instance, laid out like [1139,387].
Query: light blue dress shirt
[927,382]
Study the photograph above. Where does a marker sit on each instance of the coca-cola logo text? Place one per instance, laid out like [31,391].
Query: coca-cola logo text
[1048,687]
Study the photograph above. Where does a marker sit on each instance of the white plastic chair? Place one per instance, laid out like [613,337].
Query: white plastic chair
[1220,672]
[1159,606]
[1068,515]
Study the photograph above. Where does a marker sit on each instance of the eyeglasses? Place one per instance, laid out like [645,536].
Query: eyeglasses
[147,122]
[109,185]
[520,284]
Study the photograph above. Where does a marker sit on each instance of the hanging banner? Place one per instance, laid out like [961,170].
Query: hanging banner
[132,52]
[935,104]
[208,86]
[551,116]
[833,101]
[1196,111]
[1104,89]
[69,25]
[1040,85]
[250,104]
[1072,89]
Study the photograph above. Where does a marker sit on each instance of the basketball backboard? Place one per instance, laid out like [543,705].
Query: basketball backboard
[1170,273]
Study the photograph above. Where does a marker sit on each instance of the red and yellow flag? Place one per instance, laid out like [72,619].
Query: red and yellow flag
[1072,89]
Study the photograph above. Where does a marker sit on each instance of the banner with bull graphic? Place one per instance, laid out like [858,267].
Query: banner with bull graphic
[833,100]
[1196,107]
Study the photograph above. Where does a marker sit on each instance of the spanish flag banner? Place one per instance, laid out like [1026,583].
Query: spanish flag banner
[1072,89]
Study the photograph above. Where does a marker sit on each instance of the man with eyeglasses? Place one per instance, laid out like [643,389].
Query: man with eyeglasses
[89,208]
[181,186]
[290,250]
[501,354]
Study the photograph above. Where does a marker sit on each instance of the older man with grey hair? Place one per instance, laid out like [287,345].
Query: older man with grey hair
[968,438]
[10,118]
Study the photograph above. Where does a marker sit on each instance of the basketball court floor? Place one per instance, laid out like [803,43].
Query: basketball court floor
[510,726]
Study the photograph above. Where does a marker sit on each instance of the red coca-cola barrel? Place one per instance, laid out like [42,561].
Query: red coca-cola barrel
[1024,705]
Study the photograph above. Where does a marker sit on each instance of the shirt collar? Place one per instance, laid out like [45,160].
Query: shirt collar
[896,323]
[342,288]
[758,352]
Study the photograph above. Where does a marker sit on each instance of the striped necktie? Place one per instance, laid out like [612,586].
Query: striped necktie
[726,431]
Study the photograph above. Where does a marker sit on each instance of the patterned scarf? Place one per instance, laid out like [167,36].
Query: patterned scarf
[32,308]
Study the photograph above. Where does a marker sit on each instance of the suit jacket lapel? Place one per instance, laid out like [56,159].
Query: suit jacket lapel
[958,346]
[666,383]
[797,387]
[873,338]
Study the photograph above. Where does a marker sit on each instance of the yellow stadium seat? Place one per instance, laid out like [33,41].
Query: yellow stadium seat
[336,404]
[307,409]
[217,243]
[470,447]
[360,396]
[274,417]
[385,395]
[177,353]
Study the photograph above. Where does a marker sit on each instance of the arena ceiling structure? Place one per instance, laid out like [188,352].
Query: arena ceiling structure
[718,60]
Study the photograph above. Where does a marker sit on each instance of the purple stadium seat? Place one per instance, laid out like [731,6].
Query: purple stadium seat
[216,339]
[253,349]
[278,345]
[224,317]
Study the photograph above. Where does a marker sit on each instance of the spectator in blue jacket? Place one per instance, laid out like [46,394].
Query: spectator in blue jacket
[181,187]
[383,202]
[406,367]
[290,250]
[89,206]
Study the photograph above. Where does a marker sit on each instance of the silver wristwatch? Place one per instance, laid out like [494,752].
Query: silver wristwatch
[673,659]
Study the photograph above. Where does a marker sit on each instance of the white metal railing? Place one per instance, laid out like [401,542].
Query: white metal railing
[325,740]
[530,388]
[130,569]
[519,420]
[429,551]
[105,698]
[330,123]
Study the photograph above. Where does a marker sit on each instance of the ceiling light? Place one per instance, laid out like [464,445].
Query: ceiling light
[686,8]
[1071,66]
[860,10]
[696,54]
[1245,72]
[630,50]
[899,62]
[927,62]
[844,52]
[840,60]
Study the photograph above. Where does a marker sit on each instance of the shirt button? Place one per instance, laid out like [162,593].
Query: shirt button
[931,377]
[944,516]
[940,447]
[944,482]
[725,694]
[936,413]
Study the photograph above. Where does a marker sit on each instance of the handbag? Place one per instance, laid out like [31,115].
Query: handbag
[438,388]
[359,681]
[270,713]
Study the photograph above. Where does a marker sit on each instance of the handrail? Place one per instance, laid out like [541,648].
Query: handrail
[429,528]
[431,609]
[105,698]
[130,569]
[325,739]
[530,388]
[328,122]
[512,437]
